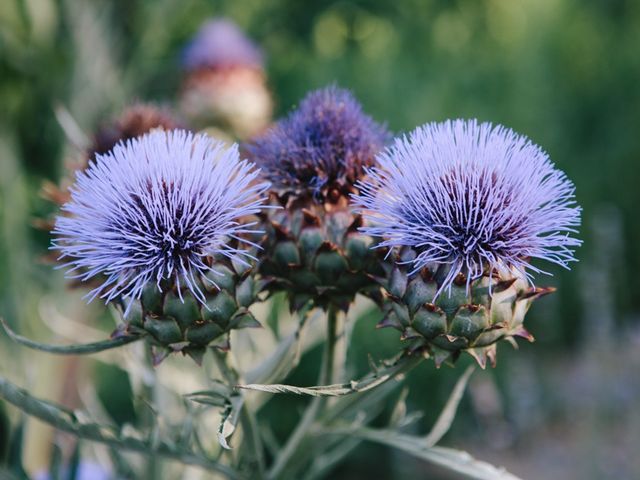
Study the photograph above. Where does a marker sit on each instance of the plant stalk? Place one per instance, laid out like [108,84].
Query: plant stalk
[315,406]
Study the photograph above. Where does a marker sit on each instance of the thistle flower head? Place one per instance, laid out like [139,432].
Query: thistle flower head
[477,197]
[134,121]
[221,44]
[157,207]
[322,146]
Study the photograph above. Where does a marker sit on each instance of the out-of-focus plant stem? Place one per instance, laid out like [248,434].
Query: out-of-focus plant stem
[315,406]
[247,420]
[152,470]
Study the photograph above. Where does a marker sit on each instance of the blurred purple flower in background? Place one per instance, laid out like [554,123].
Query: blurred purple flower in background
[219,44]
[326,143]
[477,197]
[156,208]
[224,86]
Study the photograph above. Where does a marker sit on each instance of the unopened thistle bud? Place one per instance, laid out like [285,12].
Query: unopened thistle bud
[313,158]
[159,222]
[134,121]
[464,208]
[224,84]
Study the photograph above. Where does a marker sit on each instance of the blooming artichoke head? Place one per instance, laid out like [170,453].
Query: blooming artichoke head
[160,223]
[313,159]
[465,207]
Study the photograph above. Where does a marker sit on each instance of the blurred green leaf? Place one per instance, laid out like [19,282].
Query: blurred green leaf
[67,421]
[448,458]
[5,434]
[448,413]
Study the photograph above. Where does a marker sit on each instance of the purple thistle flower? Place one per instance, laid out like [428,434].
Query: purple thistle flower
[327,141]
[221,44]
[157,207]
[477,197]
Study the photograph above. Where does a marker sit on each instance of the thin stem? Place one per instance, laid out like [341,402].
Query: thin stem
[251,432]
[150,391]
[247,417]
[315,406]
[81,349]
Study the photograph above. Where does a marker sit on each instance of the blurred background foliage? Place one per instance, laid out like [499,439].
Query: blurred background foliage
[563,72]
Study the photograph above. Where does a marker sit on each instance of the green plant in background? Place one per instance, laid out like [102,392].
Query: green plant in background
[322,427]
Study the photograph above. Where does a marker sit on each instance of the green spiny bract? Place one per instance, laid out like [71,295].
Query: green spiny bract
[461,319]
[313,158]
[176,322]
[315,253]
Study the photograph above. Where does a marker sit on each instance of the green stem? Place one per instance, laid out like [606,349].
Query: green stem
[365,405]
[247,417]
[315,406]
[250,428]
[81,349]
[327,374]
[150,392]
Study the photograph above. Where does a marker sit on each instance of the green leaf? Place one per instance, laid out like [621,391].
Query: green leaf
[74,463]
[445,419]
[16,443]
[244,320]
[463,463]
[5,433]
[218,396]
[422,447]
[67,421]
[121,466]
[448,458]
[55,463]
[81,349]
[369,382]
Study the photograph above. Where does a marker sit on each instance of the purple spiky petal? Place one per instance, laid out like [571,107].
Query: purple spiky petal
[328,140]
[477,197]
[157,207]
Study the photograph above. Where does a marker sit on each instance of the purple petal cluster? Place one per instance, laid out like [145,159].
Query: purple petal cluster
[328,140]
[157,207]
[477,197]
[221,44]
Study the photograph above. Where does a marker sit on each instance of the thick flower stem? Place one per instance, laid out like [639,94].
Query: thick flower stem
[315,406]
[327,373]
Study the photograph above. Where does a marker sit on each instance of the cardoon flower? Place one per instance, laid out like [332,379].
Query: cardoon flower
[160,218]
[224,85]
[322,148]
[466,206]
[313,159]
[133,121]
[221,44]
